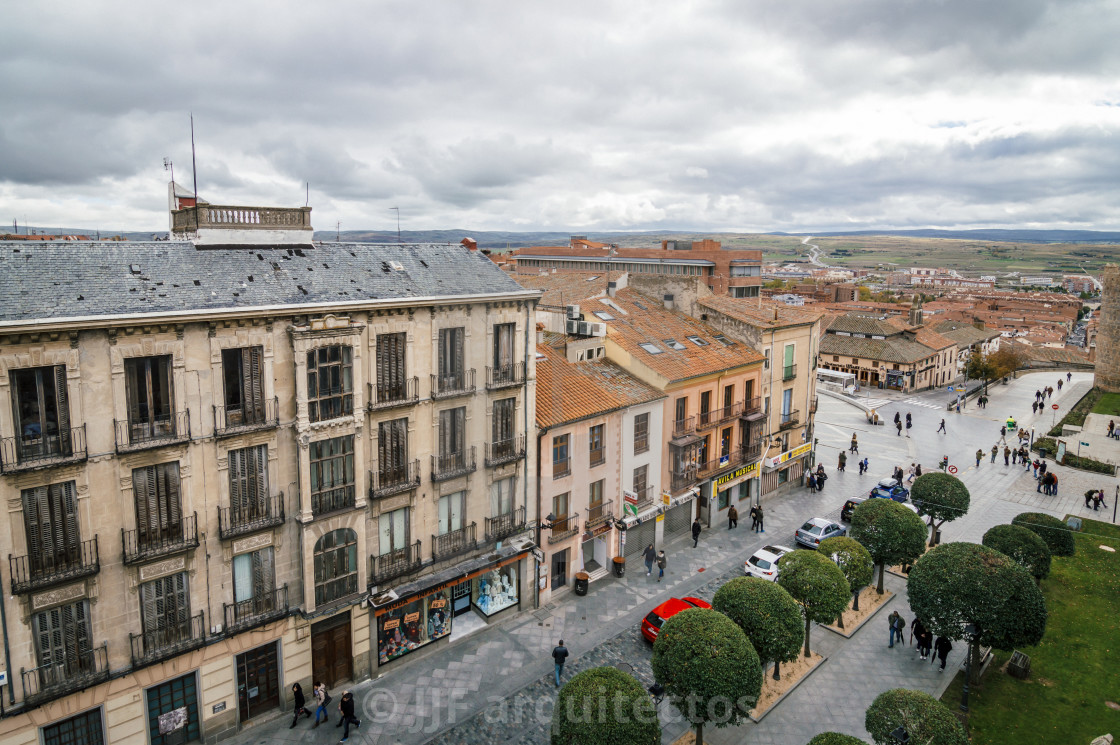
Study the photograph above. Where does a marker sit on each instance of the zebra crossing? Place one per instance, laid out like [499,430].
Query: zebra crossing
[925,404]
[875,403]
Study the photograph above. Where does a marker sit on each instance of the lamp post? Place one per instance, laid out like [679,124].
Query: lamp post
[969,635]
[901,736]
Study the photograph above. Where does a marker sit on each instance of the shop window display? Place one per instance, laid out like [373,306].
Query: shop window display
[413,624]
[496,590]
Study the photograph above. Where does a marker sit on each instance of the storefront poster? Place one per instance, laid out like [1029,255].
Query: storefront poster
[496,590]
[413,625]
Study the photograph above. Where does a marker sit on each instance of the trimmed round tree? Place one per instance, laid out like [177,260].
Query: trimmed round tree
[708,668]
[604,706]
[767,614]
[835,738]
[891,533]
[956,584]
[1058,536]
[940,497]
[1023,545]
[817,584]
[925,719]
[854,561]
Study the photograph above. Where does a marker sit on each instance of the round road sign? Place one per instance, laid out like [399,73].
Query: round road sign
[952,469]
[1054,407]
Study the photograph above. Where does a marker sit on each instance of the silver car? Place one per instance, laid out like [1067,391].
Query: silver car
[816,530]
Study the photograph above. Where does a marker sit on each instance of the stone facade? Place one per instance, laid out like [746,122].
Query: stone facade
[1107,375]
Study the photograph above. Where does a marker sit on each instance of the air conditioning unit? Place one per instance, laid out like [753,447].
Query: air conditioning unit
[598,329]
[573,311]
[572,327]
[585,328]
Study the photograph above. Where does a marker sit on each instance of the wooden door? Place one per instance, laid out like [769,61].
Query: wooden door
[258,686]
[331,661]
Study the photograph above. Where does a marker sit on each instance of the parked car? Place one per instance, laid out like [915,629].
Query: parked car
[657,617]
[764,562]
[850,507]
[890,488]
[816,530]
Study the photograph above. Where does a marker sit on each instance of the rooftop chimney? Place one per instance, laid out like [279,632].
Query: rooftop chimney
[668,299]
[612,288]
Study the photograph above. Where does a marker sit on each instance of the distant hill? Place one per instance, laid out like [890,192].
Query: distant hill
[990,234]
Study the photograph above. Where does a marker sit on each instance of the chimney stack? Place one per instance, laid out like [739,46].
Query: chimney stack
[668,299]
[612,288]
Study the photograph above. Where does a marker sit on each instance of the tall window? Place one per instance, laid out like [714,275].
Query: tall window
[50,516]
[789,369]
[597,444]
[149,391]
[244,389]
[750,392]
[392,450]
[681,409]
[503,422]
[330,382]
[641,480]
[503,349]
[560,512]
[391,367]
[451,507]
[41,411]
[392,529]
[703,454]
[561,463]
[452,431]
[254,578]
[725,442]
[705,406]
[336,565]
[332,474]
[451,359]
[501,496]
[728,398]
[248,483]
[641,433]
[62,640]
[787,403]
[165,610]
[595,500]
[159,509]
[84,729]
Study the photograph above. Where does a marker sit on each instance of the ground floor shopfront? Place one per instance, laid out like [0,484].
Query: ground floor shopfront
[786,470]
[668,518]
[590,551]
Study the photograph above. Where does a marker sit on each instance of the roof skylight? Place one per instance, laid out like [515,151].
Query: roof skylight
[602,315]
[651,348]
[697,340]
[724,340]
[673,344]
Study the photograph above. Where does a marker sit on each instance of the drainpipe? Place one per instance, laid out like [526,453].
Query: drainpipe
[7,652]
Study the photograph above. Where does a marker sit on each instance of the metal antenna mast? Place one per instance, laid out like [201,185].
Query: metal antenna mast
[194,168]
[398,209]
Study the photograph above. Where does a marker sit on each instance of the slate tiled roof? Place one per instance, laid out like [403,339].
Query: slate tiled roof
[856,323]
[569,392]
[964,334]
[70,280]
[752,312]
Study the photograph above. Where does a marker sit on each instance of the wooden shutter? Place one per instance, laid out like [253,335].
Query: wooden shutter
[445,437]
[63,409]
[457,353]
[147,503]
[237,475]
[171,498]
[62,638]
[252,394]
[37,520]
[264,576]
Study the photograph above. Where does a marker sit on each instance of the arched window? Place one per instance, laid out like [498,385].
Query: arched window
[336,565]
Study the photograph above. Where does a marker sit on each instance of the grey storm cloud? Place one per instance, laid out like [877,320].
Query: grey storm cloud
[711,114]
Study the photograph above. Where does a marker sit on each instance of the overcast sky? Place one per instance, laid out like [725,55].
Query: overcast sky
[741,115]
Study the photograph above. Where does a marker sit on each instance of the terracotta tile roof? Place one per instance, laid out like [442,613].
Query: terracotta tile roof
[762,314]
[964,334]
[924,335]
[856,323]
[894,349]
[565,288]
[569,392]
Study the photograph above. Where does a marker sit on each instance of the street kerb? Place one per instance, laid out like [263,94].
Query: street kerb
[788,684]
[870,602]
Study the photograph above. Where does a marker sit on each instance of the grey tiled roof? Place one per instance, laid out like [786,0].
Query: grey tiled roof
[855,323]
[892,349]
[57,280]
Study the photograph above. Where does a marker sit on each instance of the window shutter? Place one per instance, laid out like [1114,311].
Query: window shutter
[445,432]
[258,475]
[36,516]
[253,388]
[263,573]
[457,352]
[237,499]
[63,404]
[68,536]
[385,533]
[147,506]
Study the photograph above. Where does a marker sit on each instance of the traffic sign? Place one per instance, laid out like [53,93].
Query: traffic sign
[952,469]
[959,390]
[1084,443]
[1054,407]
[951,389]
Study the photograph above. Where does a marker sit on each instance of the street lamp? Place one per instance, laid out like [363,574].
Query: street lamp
[901,736]
[969,635]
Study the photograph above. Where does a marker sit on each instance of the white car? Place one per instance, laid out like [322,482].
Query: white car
[764,563]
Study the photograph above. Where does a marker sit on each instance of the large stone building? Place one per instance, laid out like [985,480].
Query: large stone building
[1107,360]
[235,460]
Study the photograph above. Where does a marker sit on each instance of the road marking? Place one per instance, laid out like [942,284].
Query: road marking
[924,404]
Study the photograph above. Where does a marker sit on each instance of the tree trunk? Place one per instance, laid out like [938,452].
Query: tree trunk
[808,623]
[700,734]
[882,570]
[777,670]
[855,600]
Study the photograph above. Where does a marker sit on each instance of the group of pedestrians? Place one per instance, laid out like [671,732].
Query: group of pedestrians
[928,649]
[322,699]
[898,423]
[1095,499]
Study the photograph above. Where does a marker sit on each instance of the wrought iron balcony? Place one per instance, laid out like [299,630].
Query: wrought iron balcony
[257,611]
[790,420]
[333,500]
[405,392]
[76,671]
[752,406]
[564,528]
[259,514]
[394,478]
[29,452]
[600,514]
[716,417]
[229,421]
[153,433]
[450,465]
[509,376]
[503,526]
[459,383]
[505,451]
[752,452]
[684,426]
[645,500]
[143,544]
[456,542]
[36,572]
[813,405]
[159,644]
[732,459]
[399,563]
[789,372]
[682,479]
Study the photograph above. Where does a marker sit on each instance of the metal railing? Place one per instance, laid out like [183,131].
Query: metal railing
[256,611]
[394,478]
[752,452]
[564,528]
[456,384]
[453,543]
[600,514]
[159,644]
[645,499]
[257,514]
[752,406]
[734,458]
[449,465]
[813,405]
[503,526]
[597,456]
[38,571]
[391,395]
[153,433]
[149,543]
[790,419]
[508,376]
[75,672]
[398,563]
[682,479]
[715,417]
[505,451]
[333,500]
[239,419]
[29,452]
[684,426]
[789,372]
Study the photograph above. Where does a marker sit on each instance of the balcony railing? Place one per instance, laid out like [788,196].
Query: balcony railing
[38,451]
[259,514]
[645,499]
[242,218]
[229,421]
[734,458]
[789,372]
[399,563]
[564,528]
[682,479]
[503,526]
[684,426]
[333,500]
[752,406]
[153,433]
[77,671]
[451,465]
[715,417]
[459,383]
[456,542]
[159,644]
[505,451]
[36,572]
[394,478]
[505,377]
[751,453]
[790,420]
[813,405]
[561,468]
[600,514]
[394,394]
[148,543]
[257,611]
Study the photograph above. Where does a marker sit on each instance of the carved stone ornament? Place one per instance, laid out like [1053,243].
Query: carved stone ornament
[58,596]
[161,568]
[252,543]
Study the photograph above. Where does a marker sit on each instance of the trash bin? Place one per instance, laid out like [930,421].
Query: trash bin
[619,566]
[580,586]
[1042,453]
[937,537]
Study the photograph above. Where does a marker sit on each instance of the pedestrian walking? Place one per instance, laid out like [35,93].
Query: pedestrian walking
[650,556]
[560,654]
[897,417]
[866,465]
[892,623]
[1090,499]
[761,518]
[958,406]
[910,477]
[695,532]
[1035,464]
[1006,455]
[1034,407]
[1059,385]
[1100,497]
[841,461]
[855,445]
[925,644]
[1041,468]
[943,647]
[995,452]
[322,698]
[917,470]
[979,457]
[346,709]
[754,519]
[861,469]
[300,704]
[1015,455]
[661,562]
[812,483]
[821,477]
[942,429]
[732,517]
[898,427]
[1053,484]
[1069,376]
[917,628]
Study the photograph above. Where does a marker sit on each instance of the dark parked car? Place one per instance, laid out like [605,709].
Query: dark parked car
[850,507]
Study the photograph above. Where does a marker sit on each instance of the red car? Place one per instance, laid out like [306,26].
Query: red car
[652,623]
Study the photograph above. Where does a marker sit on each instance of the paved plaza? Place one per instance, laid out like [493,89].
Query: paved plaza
[496,685]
